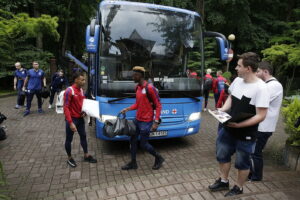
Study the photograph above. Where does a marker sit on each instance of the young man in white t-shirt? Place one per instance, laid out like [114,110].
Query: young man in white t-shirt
[268,126]
[248,94]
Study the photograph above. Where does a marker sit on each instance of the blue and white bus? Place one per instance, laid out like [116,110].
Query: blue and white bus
[164,40]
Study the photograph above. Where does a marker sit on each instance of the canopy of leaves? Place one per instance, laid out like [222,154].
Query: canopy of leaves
[16,31]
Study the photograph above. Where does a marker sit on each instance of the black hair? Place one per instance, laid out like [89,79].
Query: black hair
[77,74]
[265,65]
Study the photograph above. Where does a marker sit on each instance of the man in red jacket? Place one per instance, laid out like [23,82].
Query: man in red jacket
[73,100]
[147,100]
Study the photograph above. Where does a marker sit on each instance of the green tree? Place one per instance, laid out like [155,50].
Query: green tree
[16,33]
[284,52]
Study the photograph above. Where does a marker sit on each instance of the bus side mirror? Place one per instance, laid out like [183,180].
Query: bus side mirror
[92,38]
[222,43]
[222,48]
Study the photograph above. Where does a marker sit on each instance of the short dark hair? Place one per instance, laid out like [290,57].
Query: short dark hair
[250,59]
[77,74]
[265,65]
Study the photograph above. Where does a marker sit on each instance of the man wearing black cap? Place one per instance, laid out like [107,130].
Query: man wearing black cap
[147,100]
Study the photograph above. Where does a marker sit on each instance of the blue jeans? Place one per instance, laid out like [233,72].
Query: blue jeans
[30,97]
[142,131]
[227,145]
[257,165]
[79,123]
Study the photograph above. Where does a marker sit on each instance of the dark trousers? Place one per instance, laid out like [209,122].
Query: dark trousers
[21,97]
[256,170]
[142,130]
[52,94]
[79,123]
[30,97]
[216,96]
[206,95]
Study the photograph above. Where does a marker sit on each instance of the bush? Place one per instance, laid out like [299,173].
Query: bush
[291,113]
[227,75]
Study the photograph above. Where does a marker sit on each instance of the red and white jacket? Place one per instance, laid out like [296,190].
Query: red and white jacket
[73,101]
[143,106]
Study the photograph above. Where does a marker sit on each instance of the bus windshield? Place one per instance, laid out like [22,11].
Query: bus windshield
[165,42]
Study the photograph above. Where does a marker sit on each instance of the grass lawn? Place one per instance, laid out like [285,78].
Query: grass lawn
[6,92]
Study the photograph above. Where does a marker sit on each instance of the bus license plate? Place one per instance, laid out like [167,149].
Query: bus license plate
[158,133]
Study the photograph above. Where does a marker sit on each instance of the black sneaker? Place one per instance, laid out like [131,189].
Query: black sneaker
[234,191]
[219,186]
[90,159]
[158,162]
[130,165]
[72,162]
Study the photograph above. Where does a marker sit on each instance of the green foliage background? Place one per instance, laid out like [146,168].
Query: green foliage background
[291,113]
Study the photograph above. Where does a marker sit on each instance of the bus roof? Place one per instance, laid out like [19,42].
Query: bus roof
[148,5]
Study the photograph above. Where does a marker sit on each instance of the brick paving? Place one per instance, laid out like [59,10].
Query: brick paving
[35,166]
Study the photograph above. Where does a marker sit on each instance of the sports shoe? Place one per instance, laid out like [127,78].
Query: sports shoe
[234,191]
[130,165]
[204,109]
[72,162]
[17,107]
[90,159]
[27,112]
[219,186]
[158,162]
[40,110]
[50,106]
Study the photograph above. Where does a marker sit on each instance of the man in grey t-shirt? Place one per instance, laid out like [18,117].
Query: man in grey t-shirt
[268,126]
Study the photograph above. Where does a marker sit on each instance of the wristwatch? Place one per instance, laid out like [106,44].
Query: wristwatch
[156,121]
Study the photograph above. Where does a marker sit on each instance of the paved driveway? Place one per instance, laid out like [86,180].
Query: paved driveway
[35,166]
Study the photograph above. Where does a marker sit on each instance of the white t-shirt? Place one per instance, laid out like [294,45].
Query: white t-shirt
[276,92]
[246,97]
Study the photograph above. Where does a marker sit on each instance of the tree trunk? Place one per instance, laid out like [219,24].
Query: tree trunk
[200,8]
[65,38]
[36,12]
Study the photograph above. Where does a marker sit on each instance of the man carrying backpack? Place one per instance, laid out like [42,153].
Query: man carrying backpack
[73,100]
[147,100]
[208,80]
[219,85]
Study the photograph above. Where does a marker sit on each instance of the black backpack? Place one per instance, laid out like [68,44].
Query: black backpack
[2,130]
[2,134]
[148,96]
[208,83]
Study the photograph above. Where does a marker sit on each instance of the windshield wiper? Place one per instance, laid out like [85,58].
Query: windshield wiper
[190,96]
[121,98]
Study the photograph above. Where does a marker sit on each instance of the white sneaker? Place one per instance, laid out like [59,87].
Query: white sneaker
[204,109]
[50,106]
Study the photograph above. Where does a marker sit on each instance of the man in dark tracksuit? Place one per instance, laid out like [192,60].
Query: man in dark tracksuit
[34,82]
[20,75]
[57,81]
[145,121]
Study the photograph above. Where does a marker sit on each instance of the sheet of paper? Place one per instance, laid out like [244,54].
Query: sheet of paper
[220,116]
[91,108]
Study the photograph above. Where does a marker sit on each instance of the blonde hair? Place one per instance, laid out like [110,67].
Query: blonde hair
[208,71]
[17,64]
[138,68]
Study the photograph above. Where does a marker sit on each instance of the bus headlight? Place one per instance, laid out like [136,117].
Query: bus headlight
[194,116]
[107,117]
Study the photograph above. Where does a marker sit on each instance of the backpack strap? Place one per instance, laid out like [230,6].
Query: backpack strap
[73,93]
[149,97]
[274,79]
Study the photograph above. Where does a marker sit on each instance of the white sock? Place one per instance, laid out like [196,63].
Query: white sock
[224,181]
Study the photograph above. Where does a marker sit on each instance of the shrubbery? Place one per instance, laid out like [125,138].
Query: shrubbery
[291,113]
